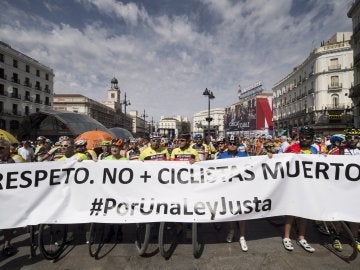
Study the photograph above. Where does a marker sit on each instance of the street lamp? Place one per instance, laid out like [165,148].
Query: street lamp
[126,103]
[210,95]
[144,115]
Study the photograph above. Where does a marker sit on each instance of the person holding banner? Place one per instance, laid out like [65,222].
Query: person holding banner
[8,249]
[116,151]
[235,150]
[154,151]
[306,136]
[184,152]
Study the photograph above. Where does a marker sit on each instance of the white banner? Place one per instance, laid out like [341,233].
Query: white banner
[309,186]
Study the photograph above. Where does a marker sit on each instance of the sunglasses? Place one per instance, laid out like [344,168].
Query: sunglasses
[65,145]
[306,138]
[232,143]
[352,137]
[182,140]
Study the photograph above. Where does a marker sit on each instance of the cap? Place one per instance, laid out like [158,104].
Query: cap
[116,142]
[41,138]
[198,137]
[185,136]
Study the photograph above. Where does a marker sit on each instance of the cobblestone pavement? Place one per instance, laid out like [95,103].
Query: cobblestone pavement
[264,241]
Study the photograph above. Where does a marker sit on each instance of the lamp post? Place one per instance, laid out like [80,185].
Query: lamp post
[144,115]
[126,103]
[210,95]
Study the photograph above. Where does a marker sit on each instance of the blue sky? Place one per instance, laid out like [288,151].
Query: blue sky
[166,52]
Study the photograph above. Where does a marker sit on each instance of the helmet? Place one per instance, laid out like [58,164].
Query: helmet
[352,131]
[105,143]
[116,142]
[337,138]
[318,139]
[64,138]
[307,131]
[80,143]
[220,139]
[198,137]
[233,139]
[41,138]
[268,137]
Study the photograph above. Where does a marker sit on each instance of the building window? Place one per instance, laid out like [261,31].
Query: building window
[37,110]
[27,95]
[15,63]
[2,90]
[14,109]
[15,78]
[27,111]
[27,68]
[38,73]
[46,76]
[1,58]
[1,107]
[47,102]
[334,81]
[2,73]
[14,124]
[112,95]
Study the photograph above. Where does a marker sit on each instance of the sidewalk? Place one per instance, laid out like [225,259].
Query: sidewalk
[264,241]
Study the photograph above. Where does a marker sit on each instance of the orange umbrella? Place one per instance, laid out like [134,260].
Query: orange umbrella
[4,135]
[94,138]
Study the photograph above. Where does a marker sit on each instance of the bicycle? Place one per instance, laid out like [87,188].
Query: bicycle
[99,234]
[328,228]
[52,240]
[143,231]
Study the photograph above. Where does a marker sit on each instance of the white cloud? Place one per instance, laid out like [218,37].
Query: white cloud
[165,62]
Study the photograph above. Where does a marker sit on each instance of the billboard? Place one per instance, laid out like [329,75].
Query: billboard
[251,115]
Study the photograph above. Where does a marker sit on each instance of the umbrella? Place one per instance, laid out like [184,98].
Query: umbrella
[94,138]
[121,133]
[4,135]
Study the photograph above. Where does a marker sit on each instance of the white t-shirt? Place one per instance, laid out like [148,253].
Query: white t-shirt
[26,153]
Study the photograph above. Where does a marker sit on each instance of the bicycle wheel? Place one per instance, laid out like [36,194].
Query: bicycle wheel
[346,256]
[168,235]
[52,240]
[142,237]
[96,238]
[196,241]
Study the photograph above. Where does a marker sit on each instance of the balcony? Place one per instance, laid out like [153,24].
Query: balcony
[38,87]
[15,95]
[332,107]
[28,98]
[38,101]
[334,67]
[334,87]
[47,90]
[27,84]
[3,93]
[3,76]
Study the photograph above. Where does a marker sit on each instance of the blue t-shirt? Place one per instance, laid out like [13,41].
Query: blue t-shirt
[226,154]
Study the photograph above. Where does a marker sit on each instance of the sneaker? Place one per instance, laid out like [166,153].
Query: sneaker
[358,245]
[8,251]
[287,244]
[305,245]
[230,236]
[337,245]
[87,237]
[243,244]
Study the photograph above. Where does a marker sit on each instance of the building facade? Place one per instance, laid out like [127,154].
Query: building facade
[354,93]
[108,112]
[26,86]
[316,92]
[200,125]
[172,126]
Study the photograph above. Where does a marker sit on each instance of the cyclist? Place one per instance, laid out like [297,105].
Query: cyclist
[8,249]
[115,150]
[306,136]
[235,150]
[221,146]
[40,150]
[80,150]
[200,147]
[154,151]
[184,152]
[336,147]
[105,147]
[133,151]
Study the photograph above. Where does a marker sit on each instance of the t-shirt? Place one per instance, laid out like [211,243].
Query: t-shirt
[182,155]
[201,149]
[152,154]
[237,154]
[297,149]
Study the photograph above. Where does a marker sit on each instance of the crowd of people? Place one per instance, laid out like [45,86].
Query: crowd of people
[185,148]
